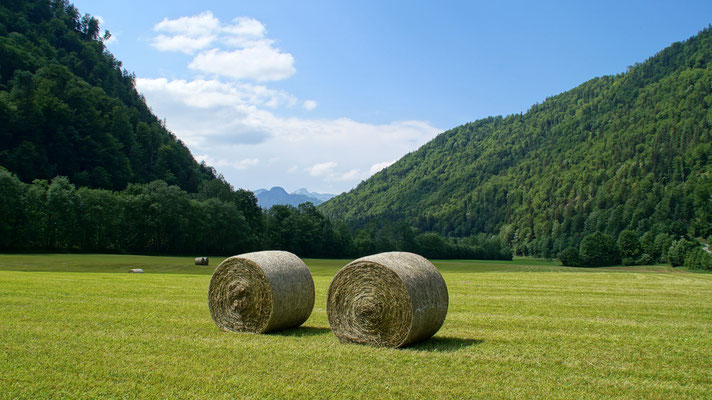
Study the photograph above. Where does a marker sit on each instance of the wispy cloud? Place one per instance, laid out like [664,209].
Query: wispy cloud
[309,105]
[213,93]
[260,63]
[322,169]
[329,172]
[236,164]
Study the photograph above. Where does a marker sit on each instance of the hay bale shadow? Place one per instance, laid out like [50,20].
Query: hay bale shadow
[301,331]
[444,344]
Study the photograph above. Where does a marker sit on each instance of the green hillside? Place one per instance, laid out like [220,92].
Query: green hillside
[68,108]
[625,152]
[72,125]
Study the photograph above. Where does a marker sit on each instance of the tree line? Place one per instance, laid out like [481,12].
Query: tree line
[599,249]
[158,218]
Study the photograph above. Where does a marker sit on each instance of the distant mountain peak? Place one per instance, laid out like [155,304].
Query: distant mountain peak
[277,195]
[278,189]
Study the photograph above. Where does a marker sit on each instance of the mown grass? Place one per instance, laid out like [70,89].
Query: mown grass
[522,329]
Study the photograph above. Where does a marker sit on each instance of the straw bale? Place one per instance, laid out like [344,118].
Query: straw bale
[389,299]
[261,292]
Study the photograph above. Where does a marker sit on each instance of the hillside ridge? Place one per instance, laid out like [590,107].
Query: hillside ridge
[67,107]
[623,152]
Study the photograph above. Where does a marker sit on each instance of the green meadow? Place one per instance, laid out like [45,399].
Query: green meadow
[80,327]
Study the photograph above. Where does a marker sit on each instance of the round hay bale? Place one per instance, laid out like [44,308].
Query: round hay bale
[261,292]
[135,271]
[389,299]
[202,261]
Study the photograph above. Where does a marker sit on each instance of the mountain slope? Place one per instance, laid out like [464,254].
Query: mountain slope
[67,107]
[630,151]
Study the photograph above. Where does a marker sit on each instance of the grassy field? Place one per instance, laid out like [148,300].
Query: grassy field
[79,326]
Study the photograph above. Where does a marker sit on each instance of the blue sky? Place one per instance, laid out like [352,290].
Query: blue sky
[321,94]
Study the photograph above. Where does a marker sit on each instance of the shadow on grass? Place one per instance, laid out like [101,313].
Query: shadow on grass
[444,344]
[302,331]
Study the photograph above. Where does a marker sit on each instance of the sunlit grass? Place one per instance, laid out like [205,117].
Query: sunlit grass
[522,329]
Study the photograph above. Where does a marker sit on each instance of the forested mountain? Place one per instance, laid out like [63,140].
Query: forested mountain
[68,108]
[629,152]
[72,125]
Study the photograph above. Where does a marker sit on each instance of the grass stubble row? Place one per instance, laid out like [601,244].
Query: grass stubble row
[388,300]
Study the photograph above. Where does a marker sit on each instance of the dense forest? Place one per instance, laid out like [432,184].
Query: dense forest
[629,153]
[157,218]
[68,108]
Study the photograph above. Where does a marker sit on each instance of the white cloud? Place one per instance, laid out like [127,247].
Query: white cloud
[249,54]
[202,24]
[182,43]
[246,163]
[379,166]
[186,34]
[322,169]
[213,93]
[349,175]
[309,105]
[260,63]
[236,164]
[329,173]
[245,28]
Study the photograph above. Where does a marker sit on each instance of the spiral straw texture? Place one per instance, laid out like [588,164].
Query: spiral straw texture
[388,299]
[261,292]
